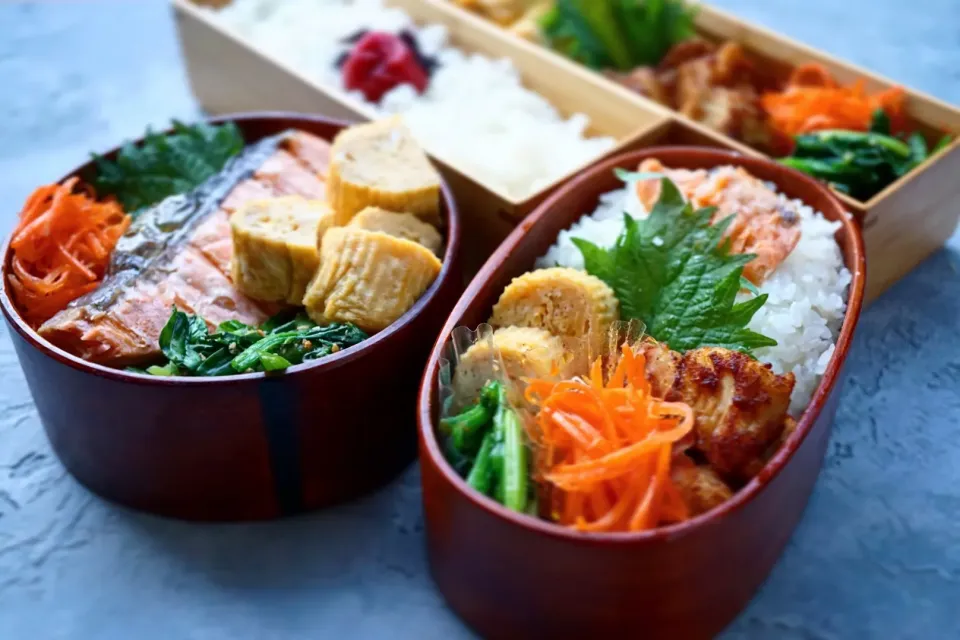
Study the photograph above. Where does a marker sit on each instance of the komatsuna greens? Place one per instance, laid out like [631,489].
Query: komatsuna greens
[486,444]
[281,342]
[617,34]
[860,164]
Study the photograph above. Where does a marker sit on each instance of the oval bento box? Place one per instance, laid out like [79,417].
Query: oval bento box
[249,446]
[513,576]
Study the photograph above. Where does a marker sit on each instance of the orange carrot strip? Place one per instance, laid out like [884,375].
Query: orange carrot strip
[82,268]
[606,448]
[61,247]
[813,101]
[647,512]
[99,251]
[614,514]
[576,428]
[583,474]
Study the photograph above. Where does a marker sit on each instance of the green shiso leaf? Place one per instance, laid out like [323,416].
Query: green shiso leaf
[617,34]
[165,165]
[673,272]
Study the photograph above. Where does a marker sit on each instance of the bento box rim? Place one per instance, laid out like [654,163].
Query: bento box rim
[657,114]
[855,263]
[341,358]
[748,26]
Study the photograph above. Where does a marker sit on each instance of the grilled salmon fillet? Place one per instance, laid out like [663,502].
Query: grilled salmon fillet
[740,405]
[186,264]
[763,223]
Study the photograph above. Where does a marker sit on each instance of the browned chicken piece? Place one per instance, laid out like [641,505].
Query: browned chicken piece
[727,109]
[663,368]
[700,487]
[733,110]
[789,426]
[195,275]
[740,405]
[732,66]
[642,80]
[762,225]
[716,85]
[693,87]
[685,51]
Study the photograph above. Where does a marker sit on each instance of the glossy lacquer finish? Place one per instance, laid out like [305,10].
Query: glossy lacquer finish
[511,576]
[250,446]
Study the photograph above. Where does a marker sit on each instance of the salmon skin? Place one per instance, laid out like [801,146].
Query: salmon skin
[178,252]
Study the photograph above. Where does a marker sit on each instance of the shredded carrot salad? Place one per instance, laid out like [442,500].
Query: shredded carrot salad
[813,101]
[61,247]
[606,449]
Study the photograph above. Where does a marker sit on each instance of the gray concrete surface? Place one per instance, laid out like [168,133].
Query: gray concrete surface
[876,556]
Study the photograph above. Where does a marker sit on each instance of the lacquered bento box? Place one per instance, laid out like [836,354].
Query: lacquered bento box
[510,575]
[249,446]
[902,225]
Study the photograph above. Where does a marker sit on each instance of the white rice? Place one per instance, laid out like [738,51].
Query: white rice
[807,292]
[475,114]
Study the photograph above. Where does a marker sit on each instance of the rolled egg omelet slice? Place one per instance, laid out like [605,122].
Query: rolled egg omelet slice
[526,352]
[566,302]
[368,278]
[399,225]
[576,307]
[275,246]
[381,165]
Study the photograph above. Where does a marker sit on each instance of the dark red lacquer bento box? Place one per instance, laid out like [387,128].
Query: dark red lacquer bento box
[249,446]
[511,576]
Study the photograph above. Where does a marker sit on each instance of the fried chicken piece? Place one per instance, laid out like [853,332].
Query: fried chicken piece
[700,487]
[726,109]
[693,87]
[685,51]
[645,81]
[789,426]
[715,85]
[740,405]
[732,67]
[702,93]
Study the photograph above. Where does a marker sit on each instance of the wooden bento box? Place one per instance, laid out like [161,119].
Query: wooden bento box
[902,225]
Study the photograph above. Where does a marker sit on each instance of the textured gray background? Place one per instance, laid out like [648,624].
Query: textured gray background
[876,556]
